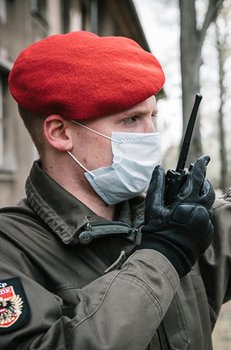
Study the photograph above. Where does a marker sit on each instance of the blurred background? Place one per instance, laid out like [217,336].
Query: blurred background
[191,39]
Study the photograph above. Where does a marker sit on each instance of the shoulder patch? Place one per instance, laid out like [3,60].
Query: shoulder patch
[14,307]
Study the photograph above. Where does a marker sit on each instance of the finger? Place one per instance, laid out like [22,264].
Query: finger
[207,194]
[200,165]
[155,193]
[198,172]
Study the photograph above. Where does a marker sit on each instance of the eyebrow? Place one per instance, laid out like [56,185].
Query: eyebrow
[141,112]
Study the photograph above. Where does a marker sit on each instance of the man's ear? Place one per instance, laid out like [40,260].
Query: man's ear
[57,132]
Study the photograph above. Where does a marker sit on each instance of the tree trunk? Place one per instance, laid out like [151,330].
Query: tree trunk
[191,41]
[190,65]
[223,158]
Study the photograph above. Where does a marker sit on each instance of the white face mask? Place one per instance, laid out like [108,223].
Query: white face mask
[134,157]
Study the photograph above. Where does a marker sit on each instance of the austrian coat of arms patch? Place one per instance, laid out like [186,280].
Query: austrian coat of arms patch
[14,307]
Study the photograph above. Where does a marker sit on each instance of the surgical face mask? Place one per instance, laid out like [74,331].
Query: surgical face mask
[134,157]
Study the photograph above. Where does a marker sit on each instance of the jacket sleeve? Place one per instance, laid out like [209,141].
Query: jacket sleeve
[215,264]
[120,310]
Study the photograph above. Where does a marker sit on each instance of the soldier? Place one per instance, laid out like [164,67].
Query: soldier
[87,261]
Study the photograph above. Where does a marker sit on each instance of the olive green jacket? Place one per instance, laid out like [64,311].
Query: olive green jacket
[60,289]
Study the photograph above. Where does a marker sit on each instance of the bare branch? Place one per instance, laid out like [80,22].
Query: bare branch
[214,7]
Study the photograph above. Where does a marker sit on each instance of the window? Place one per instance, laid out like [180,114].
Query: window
[3,104]
[7,153]
[38,9]
[3,12]
[2,93]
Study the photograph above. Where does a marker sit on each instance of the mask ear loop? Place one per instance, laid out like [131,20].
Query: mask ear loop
[96,132]
[78,162]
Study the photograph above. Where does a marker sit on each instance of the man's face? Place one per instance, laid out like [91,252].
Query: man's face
[94,151]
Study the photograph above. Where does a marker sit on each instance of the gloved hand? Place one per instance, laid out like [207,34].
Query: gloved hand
[182,230]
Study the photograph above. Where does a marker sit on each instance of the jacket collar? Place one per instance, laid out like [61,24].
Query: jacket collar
[64,213]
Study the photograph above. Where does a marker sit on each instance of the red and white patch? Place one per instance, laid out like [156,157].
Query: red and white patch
[14,307]
[10,306]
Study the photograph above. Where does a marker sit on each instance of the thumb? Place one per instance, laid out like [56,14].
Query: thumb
[155,193]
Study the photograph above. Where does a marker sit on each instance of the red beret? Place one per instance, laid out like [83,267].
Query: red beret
[80,75]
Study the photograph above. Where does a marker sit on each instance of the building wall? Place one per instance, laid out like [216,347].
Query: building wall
[20,25]
[24,22]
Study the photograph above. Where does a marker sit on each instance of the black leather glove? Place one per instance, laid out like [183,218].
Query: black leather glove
[182,230]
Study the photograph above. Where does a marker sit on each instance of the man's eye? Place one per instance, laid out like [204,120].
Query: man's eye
[131,120]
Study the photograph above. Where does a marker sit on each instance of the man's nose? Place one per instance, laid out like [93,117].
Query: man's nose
[149,126]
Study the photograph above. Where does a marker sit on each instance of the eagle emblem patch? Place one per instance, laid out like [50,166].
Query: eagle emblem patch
[14,307]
